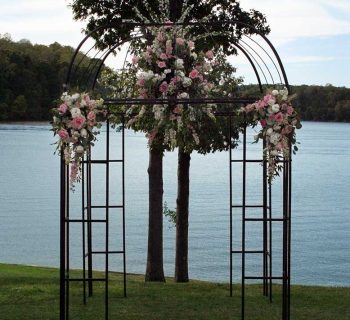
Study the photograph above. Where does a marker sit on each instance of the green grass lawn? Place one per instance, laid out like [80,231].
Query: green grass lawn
[33,293]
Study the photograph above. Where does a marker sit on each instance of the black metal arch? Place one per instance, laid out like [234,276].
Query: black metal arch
[250,53]
[260,67]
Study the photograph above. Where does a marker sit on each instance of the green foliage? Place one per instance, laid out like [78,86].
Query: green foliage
[31,78]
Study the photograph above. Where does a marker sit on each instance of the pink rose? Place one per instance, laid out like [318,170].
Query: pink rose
[161,64]
[209,54]
[163,56]
[91,116]
[78,122]
[163,87]
[290,110]
[194,74]
[63,134]
[263,123]
[62,108]
[190,44]
[135,60]
[269,98]
[279,117]
[180,41]
[141,82]
[260,105]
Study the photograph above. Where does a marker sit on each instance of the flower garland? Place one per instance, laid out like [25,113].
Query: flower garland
[74,122]
[278,120]
[171,67]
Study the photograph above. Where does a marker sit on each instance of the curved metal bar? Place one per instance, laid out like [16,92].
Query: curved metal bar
[262,71]
[262,60]
[105,58]
[247,56]
[258,44]
[93,61]
[252,64]
[82,59]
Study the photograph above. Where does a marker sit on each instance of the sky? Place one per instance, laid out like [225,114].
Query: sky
[311,36]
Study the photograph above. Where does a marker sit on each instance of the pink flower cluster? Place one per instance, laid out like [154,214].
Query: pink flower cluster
[278,120]
[74,121]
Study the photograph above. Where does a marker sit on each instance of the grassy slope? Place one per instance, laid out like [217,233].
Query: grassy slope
[32,293]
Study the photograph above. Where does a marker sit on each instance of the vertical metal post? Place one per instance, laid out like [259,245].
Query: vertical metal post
[89,225]
[230,159]
[123,204]
[67,240]
[107,219]
[265,250]
[62,238]
[270,240]
[285,240]
[243,220]
[289,228]
[83,227]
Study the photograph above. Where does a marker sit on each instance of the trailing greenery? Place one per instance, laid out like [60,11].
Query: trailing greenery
[32,293]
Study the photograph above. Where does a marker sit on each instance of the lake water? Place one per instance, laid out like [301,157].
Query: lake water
[29,205]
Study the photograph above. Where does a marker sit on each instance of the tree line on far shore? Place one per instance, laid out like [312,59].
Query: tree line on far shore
[31,80]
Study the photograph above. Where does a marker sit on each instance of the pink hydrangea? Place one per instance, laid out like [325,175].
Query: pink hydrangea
[62,108]
[194,74]
[78,122]
[269,99]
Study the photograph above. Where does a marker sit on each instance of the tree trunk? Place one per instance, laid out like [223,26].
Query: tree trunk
[154,271]
[183,193]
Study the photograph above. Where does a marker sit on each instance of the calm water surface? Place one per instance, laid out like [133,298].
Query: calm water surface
[29,210]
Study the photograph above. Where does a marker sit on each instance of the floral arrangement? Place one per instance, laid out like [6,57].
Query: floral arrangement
[278,120]
[170,67]
[75,121]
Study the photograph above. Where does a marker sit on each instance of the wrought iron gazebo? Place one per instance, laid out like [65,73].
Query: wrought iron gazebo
[268,70]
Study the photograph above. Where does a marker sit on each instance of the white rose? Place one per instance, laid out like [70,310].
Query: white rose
[194,55]
[183,95]
[79,149]
[75,96]
[83,133]
[269,131]
[167,71]
[275,92]
[275,138]
[179,64]
[75,112]
[275,108]
[180,73]
[271,102]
